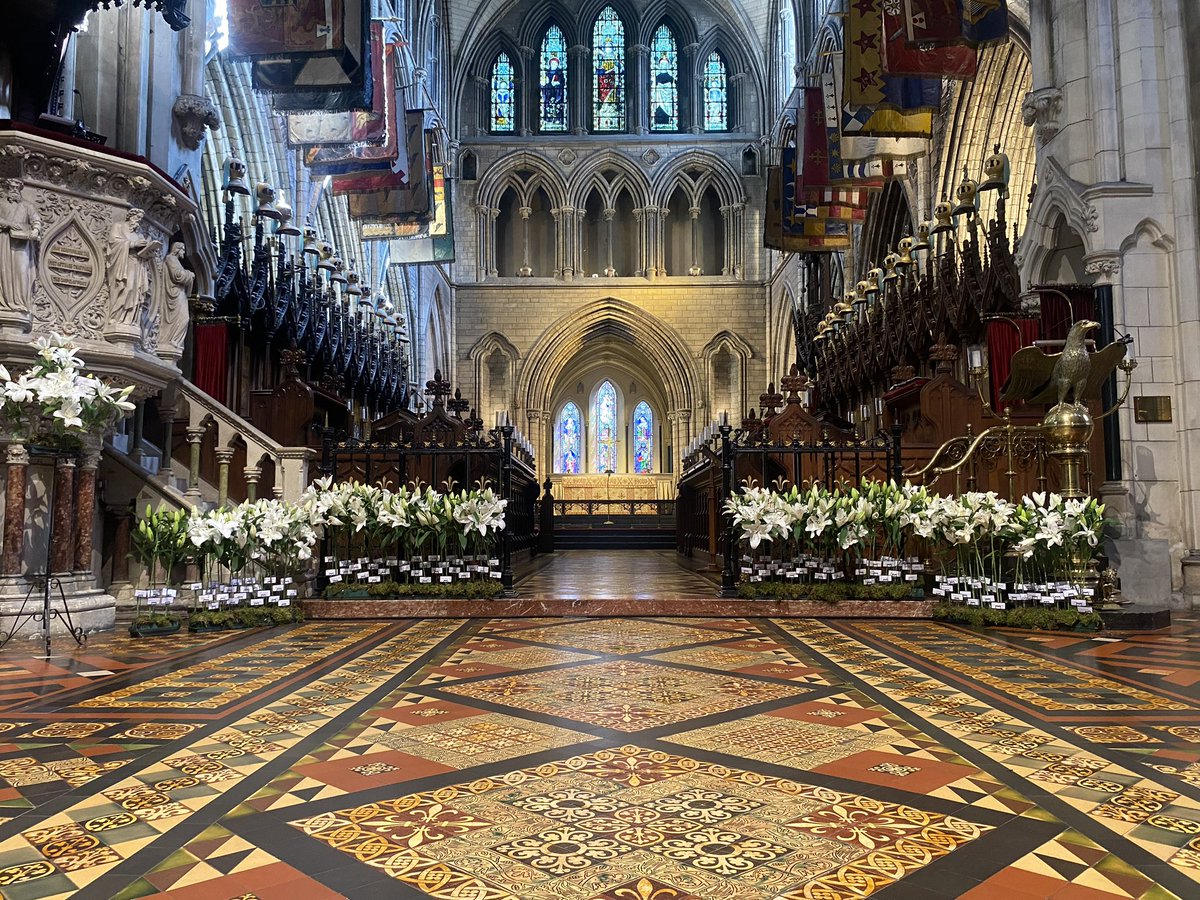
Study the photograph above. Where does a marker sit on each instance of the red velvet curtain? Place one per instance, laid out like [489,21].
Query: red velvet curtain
[211,343]
[1003,342]
[1057,314]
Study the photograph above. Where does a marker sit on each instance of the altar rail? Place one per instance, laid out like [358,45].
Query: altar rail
[609,508]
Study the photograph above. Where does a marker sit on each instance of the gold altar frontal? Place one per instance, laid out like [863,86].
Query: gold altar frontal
[613,487]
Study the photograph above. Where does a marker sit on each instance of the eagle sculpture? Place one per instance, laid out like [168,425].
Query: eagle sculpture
[1039,377]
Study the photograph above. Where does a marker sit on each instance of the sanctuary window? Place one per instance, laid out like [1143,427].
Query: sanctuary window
[643,439]
[552,81]
[608,76]
[568,438]
[504,102]
[603,425]
[664,81]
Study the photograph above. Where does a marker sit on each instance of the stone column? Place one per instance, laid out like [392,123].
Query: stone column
[638,103]
[166,415]
[578,95]
[643,248]
[526,270]
[483,105]
[691,113]
[123,523]
[62,540]
[195,438]
[609,215]
[17,460]
[85,506]
[224,458]
[527,97]
[135,436]
[252,474]
[735,102]
[695,268]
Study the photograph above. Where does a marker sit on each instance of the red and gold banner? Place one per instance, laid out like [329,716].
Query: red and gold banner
[931,21]
[867,84]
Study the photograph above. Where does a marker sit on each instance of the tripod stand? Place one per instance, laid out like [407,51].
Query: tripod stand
[41,586]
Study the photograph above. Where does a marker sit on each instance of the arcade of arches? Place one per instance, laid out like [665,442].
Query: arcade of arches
[600,449]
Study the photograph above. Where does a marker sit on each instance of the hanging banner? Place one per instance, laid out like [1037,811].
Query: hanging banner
[903,58]
[258,28]
[425,243]
[396,195]
[855,146]
[984,21]
[335,77]
[931,21]
[865,81]
[969,22]
[773,215]
[367,126]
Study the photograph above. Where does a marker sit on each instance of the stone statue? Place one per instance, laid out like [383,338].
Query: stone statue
[20,229]
[175,288]
[128,275]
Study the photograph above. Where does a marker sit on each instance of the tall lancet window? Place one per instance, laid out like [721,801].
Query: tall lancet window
[504,103]
[664,81]
[552,81]
[568,437]
[643,439]
[608,81]
[603,424]
[716,94]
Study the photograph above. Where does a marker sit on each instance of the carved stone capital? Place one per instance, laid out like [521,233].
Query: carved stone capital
[16,455]
[1105,266]
[1042,109]
[194,113]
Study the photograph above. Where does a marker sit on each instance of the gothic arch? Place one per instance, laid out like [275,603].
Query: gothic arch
[1058,196]
[506,173]
[593,173]
[663,349]
[489,350]
[714,172]
[726,390]
[539,16]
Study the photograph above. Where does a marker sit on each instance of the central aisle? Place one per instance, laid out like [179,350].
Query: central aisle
[615,575]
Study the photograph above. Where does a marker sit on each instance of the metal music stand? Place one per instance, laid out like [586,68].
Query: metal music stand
[44,583]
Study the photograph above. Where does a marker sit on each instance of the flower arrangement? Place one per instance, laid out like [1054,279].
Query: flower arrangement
[250,554]
[54,403]
[991,552]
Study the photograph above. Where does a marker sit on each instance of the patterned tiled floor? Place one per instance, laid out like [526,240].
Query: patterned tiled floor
[610,759]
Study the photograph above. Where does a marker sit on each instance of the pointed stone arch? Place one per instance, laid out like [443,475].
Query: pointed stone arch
[726,363]
[494,360]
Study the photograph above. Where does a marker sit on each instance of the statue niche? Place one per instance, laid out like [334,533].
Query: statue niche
[20,230]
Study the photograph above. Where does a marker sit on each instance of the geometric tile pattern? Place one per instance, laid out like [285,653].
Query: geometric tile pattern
[1118,798]
[624,695]
[493,758]
[586,824]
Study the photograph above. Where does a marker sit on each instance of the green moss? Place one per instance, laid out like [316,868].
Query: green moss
[1032,618]
[825,593]
[390,590]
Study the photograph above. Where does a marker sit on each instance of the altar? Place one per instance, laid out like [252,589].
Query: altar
[613,487]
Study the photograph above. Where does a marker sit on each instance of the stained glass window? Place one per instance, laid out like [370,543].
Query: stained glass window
[553,81]
[716,96]
[664,81]
[504,104]
[643,439]
[604,428]
[608,82]
[569,436]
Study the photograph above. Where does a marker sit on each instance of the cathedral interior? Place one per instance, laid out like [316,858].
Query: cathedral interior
[600,449]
